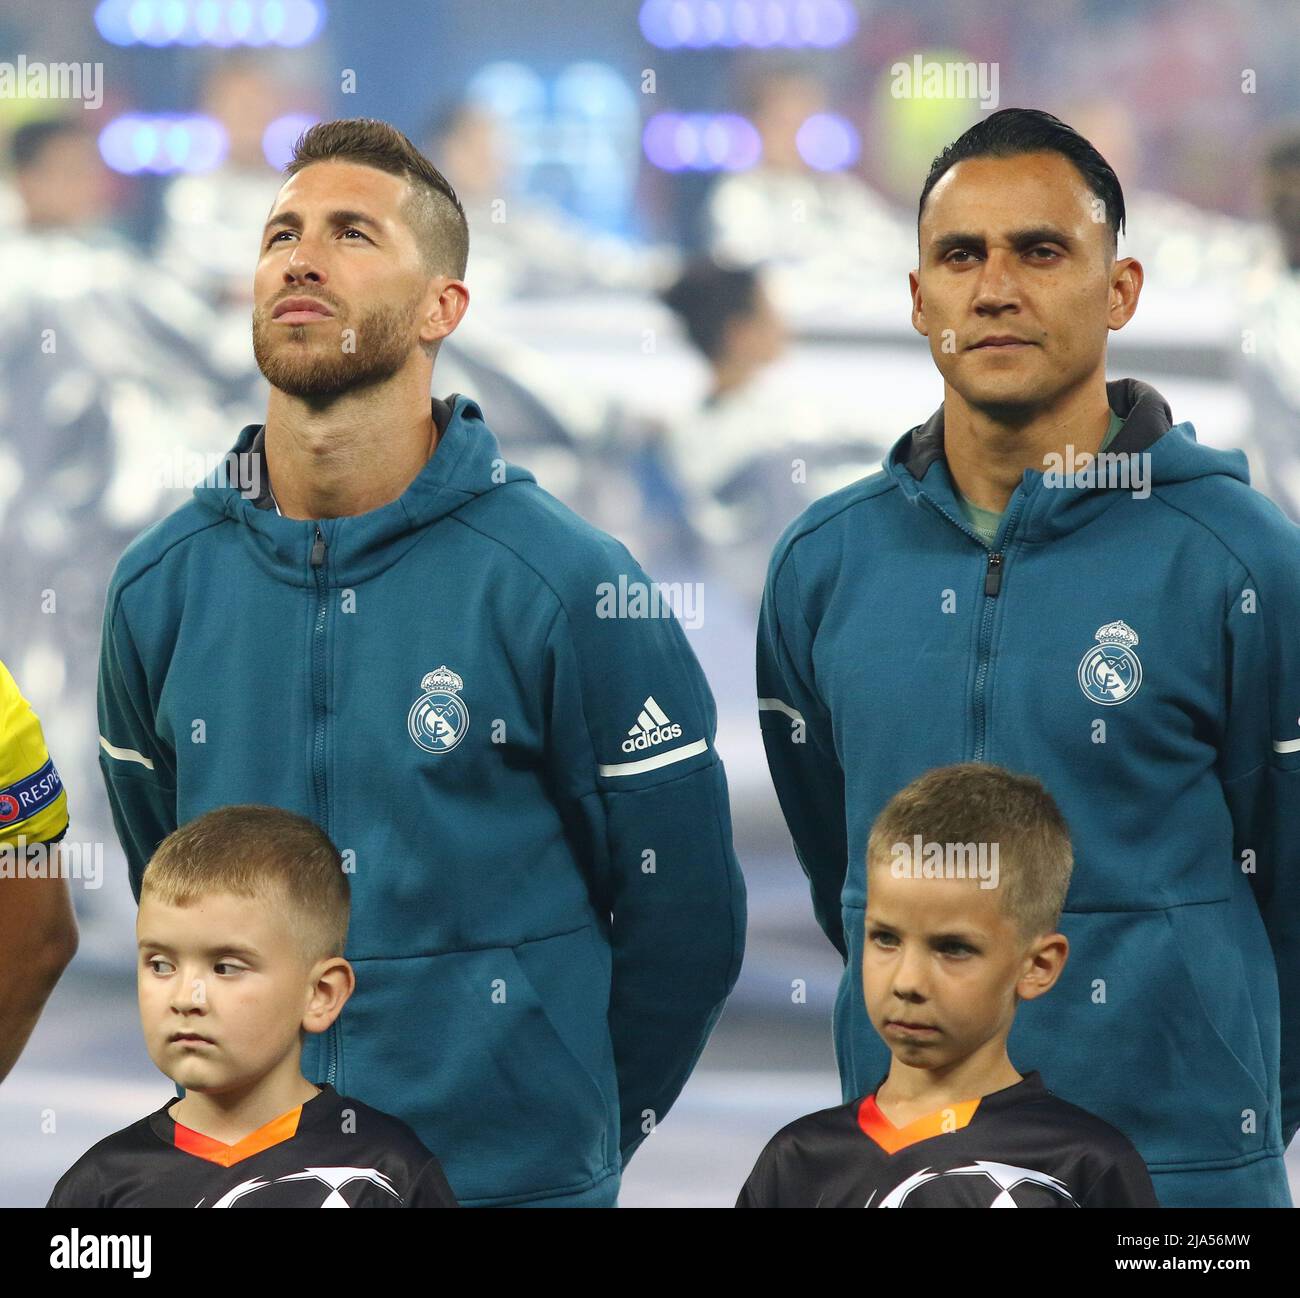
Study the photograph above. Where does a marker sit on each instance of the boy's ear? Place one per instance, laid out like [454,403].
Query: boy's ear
[1044,961]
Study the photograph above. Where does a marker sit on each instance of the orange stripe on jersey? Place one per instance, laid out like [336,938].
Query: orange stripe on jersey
[891,1139]
[217,1151]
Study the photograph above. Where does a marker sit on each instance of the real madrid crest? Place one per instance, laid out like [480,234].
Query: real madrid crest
[439,718]
[1110,671]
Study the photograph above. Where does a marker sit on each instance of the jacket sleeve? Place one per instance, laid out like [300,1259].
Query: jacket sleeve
[1260,771]
[139,771]
[800,744]
[631,751]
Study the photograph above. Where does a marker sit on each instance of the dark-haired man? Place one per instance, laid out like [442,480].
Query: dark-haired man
[373,620]
[1121,626]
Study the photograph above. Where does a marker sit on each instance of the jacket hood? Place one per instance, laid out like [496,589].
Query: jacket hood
[466,463]
[1155,452]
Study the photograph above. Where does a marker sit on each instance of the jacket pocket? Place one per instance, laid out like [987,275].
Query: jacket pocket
[461,1047]
[1152,1028]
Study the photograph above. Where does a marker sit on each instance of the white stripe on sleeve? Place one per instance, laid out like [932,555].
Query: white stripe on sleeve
[124,754]
[658,760]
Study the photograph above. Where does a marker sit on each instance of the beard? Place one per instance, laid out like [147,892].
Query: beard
[323,368]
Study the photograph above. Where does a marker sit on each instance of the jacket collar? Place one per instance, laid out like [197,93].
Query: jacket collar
[1145,413]
[920,468]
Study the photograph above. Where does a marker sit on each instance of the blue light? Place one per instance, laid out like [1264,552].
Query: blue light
[508,89]
[705,24]
[209,22]
[700,142]
[162,144]
[279,138]
[827,142]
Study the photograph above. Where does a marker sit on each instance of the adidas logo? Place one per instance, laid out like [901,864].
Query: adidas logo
[652,728]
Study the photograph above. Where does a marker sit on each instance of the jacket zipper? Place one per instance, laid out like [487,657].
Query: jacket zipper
[318,743]
[992,586]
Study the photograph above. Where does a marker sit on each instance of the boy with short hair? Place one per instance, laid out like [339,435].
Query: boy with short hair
[967,869]
[242,923]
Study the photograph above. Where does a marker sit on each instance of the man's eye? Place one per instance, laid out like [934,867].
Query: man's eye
[276,235]
[959,252]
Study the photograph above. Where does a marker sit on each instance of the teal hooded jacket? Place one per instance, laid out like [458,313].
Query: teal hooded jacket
[1135,645]
[547,911]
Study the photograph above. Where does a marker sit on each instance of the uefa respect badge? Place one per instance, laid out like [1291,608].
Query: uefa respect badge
[439,718]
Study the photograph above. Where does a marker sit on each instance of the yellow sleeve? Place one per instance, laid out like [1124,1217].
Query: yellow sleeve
[33,804]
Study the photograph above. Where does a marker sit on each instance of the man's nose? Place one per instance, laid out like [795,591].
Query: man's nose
[998,288]
[302,265]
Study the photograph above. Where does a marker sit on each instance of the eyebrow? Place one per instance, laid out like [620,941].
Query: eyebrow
[971,939]
[341,216]
[243,952]
[1019,239]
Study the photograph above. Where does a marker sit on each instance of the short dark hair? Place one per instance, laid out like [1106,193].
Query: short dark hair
[256,851]
[1284,153]
[1011,132]
[977,802]
[706,297]
[29,141]
[433,211]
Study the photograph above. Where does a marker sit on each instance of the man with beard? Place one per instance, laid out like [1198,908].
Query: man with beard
[1128,637]
[384,626]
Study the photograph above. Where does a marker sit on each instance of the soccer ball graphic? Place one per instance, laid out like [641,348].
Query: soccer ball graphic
[979,1184]
[314,1187]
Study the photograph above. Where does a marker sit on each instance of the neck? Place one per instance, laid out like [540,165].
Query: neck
[987,1070]
[356,453]
[232,1114]
[988,450]
[730,373]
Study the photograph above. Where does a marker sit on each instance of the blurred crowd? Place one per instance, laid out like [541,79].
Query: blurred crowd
[126,371]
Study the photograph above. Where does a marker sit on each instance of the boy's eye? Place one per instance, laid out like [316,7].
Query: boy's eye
[225,964]
[154,961]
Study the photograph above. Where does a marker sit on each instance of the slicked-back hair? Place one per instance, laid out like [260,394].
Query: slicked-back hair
[262,853]
[1010,132]
[433,211]
[977,802]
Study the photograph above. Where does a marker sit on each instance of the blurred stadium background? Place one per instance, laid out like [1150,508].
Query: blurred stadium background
[601,150]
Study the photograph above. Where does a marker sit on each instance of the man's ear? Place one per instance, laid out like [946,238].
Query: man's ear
[446,311]
[918,307]
[1126,279]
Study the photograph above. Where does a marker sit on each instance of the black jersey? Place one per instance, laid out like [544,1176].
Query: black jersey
[330,1152]
[1020,1147]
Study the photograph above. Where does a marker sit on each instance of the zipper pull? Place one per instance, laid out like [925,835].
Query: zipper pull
[318,549]
[993,578]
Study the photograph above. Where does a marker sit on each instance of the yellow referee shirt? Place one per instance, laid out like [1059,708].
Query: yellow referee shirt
[33,805]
